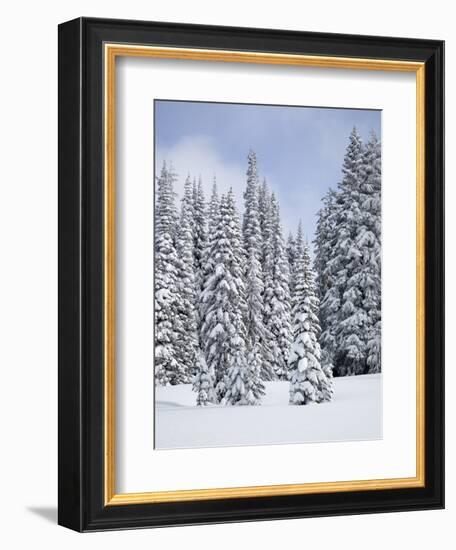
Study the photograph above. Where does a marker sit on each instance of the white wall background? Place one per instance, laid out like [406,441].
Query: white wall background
[28,273]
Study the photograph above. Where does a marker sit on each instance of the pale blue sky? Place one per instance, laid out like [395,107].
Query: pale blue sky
[299,149]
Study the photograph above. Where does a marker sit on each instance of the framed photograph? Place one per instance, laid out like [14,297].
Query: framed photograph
[251,282]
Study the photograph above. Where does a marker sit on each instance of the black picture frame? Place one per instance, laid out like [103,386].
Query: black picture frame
[81,471]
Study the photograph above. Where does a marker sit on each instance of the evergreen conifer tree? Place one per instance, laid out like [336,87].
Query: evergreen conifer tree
[308,381]
[187,345]
[267,263]
[277,295]
[238,264]
[299,240]
[327,266]
[291,254]
[255,328]
[207,260]
[213,209]
[199,230]
[166,213]
[264,198]
[203,383]
[325,234]
[369,241]
[168,369]
[348,244]
[238,380]
[295,247]
[187,204]
[222,329]
[352,324]
[254,276]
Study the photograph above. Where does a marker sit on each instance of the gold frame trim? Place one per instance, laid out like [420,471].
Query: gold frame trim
[111,52]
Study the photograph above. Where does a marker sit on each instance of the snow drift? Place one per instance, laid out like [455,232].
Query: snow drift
[354,414]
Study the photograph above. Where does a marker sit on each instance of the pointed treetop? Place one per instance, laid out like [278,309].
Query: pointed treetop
[299,239]
[215,188]
[188,183]
[252,170]
[373,136]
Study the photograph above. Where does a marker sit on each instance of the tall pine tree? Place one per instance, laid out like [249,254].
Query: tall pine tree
[165,212]
[199,230]
[187,344]
[238,263]
[308,381]
[213,208]
[291,253]
[352,323]
[268,372]
[187,204]
[168,368]
[348,241]
[203,383]
[369,241]
[254,276]
[207,260]
[295,247]
[324,241]
[223,330]
[327,269]
[277,297]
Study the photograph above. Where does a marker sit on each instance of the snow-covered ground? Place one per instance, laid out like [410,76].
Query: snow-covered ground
[354,414]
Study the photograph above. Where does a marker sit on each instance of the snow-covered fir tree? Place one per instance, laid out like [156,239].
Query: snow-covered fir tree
[353,321]
[207,260]
[299,240]
[308,381]
[324,241]
[168,368]
[266,222]
[291,252]
[267,267]
[199,229]
[187,204]
[213,208]
[187,344]
[254,276]
[222,330]
[203,383]
[295,247]
[264,199]
[369,241]
[327,365]
[238,264]
[251,227]
[277,297]
[239,385]
[166,215]
[239,382]
[256,335]
[327,266]
[348,263]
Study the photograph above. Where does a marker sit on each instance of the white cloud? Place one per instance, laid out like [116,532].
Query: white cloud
[198,156]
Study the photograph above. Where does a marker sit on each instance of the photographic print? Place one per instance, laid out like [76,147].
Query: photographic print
[267,274]
[251,253]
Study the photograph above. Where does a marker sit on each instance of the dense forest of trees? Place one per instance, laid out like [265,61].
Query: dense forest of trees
[236,305]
